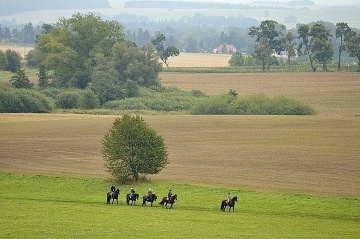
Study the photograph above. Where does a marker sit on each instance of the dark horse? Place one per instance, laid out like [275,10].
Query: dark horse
[167,201]
[113,195]
[231,204]
[149,198]
[131,198]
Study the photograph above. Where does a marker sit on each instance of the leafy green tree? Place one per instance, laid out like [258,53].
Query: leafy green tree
[270,31]
[131,148]
[262,52]
[13,60]
[70,45]
[43,78]
[315,42]
[3,60]
[288,44]
[164,52]
[21,80]
[237,59]
[342,30]
[352,46]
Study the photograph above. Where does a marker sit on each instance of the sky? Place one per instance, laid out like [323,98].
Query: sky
[117,3]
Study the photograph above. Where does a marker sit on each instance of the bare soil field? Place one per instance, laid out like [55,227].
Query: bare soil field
[331,93]
[199,60]
[306,154]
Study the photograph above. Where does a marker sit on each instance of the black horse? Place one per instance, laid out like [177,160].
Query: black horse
[166,200]
[113,195]
[131,197]
[230,204]
[149,198]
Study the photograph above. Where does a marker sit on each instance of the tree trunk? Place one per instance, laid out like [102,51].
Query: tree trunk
[289,61]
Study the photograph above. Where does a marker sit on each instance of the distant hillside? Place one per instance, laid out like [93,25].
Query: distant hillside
[8,7]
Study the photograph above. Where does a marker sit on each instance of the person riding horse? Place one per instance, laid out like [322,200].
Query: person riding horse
[112,190]
[169,197]
[228,199]
[150,193]
[132,192]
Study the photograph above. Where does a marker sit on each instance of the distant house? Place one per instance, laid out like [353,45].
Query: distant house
[225,49]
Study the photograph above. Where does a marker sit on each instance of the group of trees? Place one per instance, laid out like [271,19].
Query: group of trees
[20,34]
[312,40]
[10,60]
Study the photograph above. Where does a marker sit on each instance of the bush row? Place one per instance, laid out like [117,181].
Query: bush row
[258,104]
[24,101]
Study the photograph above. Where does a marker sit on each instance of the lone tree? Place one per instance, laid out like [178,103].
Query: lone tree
[164,52]
[131,148]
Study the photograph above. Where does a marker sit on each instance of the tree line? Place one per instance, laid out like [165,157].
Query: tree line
[312,40]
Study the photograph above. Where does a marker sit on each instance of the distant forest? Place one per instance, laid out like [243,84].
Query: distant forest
[211,5]
[8,7]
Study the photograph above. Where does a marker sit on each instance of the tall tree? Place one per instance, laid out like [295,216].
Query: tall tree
[289,45]
[131,149]
[342,29]
[164,52]
[315,42]
[352,45]
[262,52]
[270,31]
[70,45]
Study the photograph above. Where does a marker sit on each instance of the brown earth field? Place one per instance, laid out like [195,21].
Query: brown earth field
[318,155]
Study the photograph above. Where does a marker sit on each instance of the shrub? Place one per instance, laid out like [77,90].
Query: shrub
[24,101]
[67,100]
[217,105]
[258,104]
[88,100]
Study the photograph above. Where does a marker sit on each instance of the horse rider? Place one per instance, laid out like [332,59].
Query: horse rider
[228,198]
[132,192]
[149,193]
[169,197]
[112,190]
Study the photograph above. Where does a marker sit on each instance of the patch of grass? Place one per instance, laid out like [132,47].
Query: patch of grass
[35,206]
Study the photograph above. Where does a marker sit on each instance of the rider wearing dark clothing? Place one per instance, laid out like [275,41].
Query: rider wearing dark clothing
[169,195]
[112,189]
[132,192]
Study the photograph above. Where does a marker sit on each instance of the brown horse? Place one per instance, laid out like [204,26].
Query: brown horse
[230,204]
[167,200]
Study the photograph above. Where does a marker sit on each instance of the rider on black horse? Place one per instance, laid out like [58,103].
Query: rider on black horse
[169,197]
[228,198]
[132,192]
[112,190]
[150,193]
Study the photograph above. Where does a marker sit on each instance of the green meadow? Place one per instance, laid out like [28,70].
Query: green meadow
[37,206]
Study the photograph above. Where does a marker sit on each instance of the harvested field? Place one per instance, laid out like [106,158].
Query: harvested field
[307,154]
[331,93]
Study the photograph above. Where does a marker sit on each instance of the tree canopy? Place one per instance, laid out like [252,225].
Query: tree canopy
[68,48]
[131,148]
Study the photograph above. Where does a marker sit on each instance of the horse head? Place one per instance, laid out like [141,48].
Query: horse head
[174,197]
[154,197]
[234,199]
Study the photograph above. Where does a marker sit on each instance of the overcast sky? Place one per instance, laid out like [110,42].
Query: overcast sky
[117,3]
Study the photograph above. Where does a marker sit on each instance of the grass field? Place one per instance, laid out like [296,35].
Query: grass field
[35,206]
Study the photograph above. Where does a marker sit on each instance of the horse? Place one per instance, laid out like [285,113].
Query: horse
[113,195]
[149,198]
[231,204]
[131,198]
[166,200]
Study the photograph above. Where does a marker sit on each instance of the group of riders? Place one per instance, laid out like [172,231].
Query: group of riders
[150,193]
[169,195]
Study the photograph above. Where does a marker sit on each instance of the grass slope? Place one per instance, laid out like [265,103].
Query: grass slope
[34,206]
